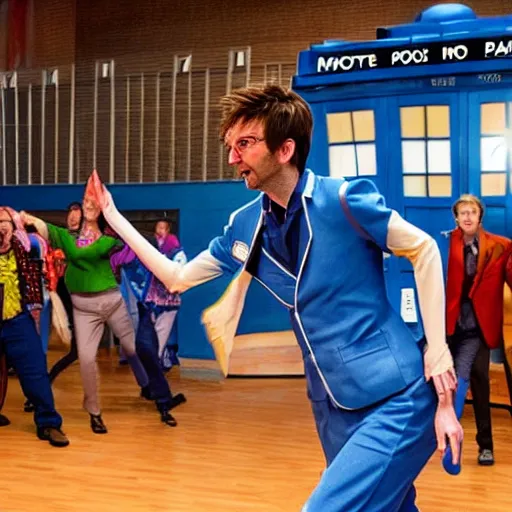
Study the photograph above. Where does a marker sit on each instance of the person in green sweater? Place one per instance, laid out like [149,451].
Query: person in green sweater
[96,300]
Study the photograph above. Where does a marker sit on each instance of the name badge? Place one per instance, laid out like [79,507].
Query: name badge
[240,251]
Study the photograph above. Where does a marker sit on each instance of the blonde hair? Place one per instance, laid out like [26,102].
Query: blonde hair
[468,199]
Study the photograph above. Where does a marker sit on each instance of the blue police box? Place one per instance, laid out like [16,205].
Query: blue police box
[425,111]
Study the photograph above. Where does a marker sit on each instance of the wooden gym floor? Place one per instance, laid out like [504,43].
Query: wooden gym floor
[241,445]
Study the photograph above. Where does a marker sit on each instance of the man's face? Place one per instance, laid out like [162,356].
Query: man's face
[468,218]
[6,229]
[249,154]
[162,229]
[73,219]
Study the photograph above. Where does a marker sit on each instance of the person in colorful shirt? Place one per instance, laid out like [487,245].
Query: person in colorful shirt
[56,261]
[96,299]
[155,311]
[19,340]
[42,317]
[169,245]
[53,314]
[146,287]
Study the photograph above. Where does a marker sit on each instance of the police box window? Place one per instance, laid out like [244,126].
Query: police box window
[426,151]
[351,138]
[495,123]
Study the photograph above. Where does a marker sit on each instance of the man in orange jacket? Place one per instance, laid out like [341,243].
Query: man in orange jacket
[477,272]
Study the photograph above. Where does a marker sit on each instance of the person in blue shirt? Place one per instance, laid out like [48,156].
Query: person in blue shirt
[379,397]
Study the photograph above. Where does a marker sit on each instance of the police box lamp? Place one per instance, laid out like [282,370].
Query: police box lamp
[442,34]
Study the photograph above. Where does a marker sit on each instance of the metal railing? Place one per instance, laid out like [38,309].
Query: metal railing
[152,126]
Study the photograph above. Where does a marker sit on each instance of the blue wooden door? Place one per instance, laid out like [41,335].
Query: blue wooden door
[425,171]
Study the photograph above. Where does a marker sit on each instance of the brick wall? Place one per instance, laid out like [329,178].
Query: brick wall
[150,32]
[53,30]
[276,30]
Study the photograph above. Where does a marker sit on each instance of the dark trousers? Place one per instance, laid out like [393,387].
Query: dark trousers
[508,376]
[22,346]
[480,389]
[472,358]
[3,378]
[65,361]
[481,392]
[72,355]
[146,344]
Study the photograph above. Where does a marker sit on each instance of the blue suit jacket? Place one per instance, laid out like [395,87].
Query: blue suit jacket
[361,348]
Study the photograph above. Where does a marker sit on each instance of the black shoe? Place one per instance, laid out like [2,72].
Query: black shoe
[4,421]
[177,400]
[168,419]
[97,425]
[174,358]
[145,392]
[53,435]
[485,457]
[28,406]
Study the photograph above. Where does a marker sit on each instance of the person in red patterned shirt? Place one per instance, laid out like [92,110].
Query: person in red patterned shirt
[20,343]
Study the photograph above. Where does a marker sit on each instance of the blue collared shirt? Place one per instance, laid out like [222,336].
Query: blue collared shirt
[281,230]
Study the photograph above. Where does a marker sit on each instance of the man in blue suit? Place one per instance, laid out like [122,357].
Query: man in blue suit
[317,245]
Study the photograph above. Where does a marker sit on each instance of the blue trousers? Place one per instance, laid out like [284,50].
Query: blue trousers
[374,454]
[22,346]
[45,324]
[146,344]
